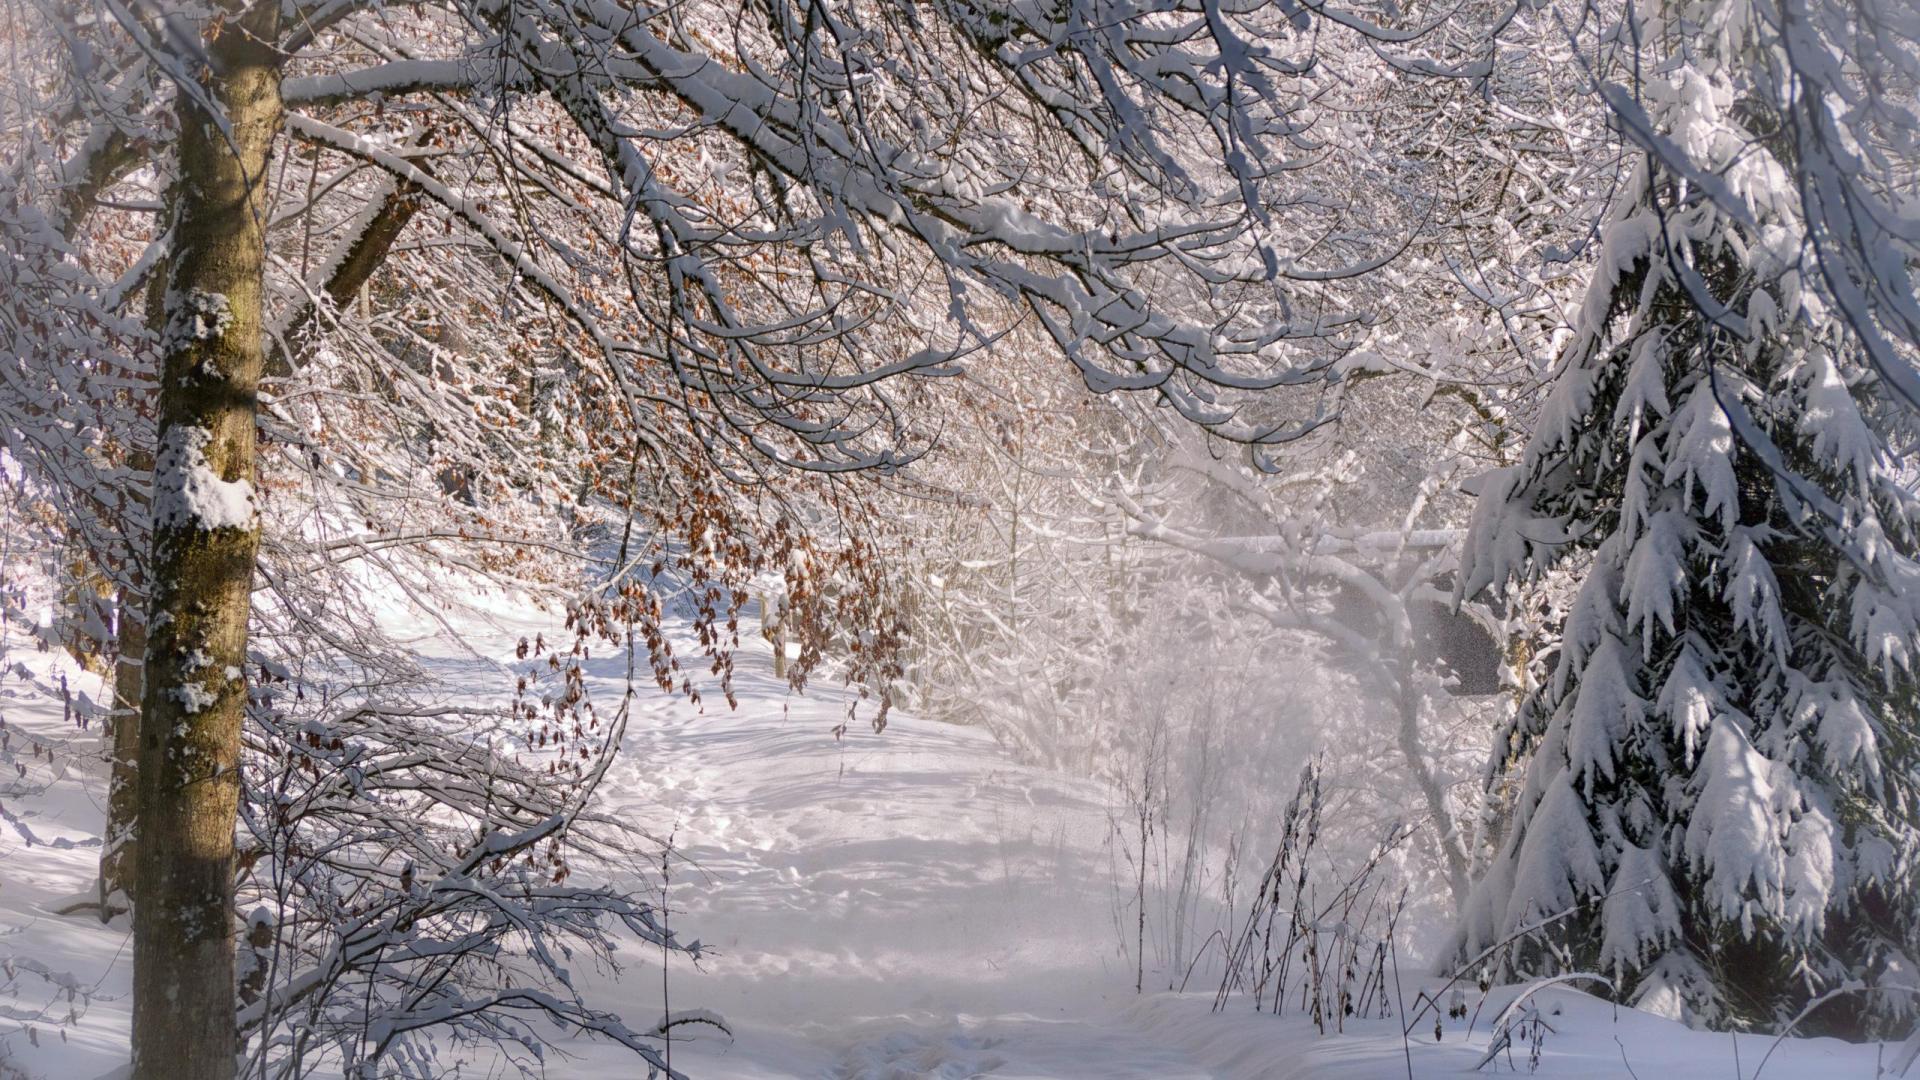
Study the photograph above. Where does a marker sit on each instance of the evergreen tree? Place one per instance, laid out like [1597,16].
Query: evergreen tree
[1716,785]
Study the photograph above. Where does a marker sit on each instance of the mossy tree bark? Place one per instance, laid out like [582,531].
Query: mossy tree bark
[205,539]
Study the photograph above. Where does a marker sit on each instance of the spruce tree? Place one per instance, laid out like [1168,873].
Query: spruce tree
[1716,785]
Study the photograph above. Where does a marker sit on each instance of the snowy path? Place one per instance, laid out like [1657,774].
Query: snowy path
[881,907]
[894,905]
[915,905]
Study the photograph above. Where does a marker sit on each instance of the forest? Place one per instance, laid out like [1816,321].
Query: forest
[868,539]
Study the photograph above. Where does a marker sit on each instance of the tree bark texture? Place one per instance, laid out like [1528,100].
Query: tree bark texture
[205,539]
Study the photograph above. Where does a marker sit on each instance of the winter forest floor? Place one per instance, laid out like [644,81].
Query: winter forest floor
[908,904]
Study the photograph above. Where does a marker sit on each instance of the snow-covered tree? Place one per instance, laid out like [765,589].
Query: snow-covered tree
[680,248]
[1718,796]
[1367,604]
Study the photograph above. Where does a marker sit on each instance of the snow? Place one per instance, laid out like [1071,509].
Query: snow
[912,904]
[1558,859]
[194,698]
[207,316]
[1730,836]
[187,490]
[406,76]
[1603,714]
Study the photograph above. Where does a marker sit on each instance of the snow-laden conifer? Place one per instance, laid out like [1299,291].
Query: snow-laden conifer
[1717,783]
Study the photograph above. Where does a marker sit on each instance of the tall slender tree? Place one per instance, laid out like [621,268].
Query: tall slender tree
[206,534]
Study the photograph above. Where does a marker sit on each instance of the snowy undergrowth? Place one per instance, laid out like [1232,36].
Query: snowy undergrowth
[877,907]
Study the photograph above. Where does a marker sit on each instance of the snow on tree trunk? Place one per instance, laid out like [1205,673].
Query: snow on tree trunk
[1718,782]
[205,538]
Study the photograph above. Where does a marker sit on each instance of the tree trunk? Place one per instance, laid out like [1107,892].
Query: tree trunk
[363,254]
[205,538]
[117,858]
[1407,691]
[118,863]
[773,625]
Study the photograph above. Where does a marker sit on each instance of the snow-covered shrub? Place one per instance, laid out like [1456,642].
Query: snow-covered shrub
[410,876]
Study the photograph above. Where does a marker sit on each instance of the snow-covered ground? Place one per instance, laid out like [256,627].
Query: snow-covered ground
[902,905]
